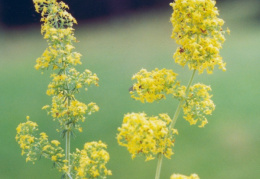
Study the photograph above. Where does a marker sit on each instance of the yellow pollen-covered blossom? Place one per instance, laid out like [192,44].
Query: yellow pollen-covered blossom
[154,85]
[90,162]
[198,104]
[179,176]
[197,28]
[146,135]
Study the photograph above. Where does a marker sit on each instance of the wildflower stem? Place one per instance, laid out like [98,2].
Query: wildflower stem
[177,112]
[68,147]
[175,117]
[159,166]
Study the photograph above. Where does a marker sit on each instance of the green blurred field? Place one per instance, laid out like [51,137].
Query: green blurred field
[115,49]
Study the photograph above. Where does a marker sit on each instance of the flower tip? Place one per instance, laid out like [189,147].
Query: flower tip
[228,31]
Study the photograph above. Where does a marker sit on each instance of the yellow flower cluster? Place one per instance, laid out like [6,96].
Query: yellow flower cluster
[198,104]
[147,135]
[51,150]
[74,79]
[179,176]
[26,140]
[197,28]
[58,31]
[91,161]
[34,146]
[67,81]
[71,113]
[151,86]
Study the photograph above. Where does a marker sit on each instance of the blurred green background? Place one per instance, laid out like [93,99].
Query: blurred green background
[115,49]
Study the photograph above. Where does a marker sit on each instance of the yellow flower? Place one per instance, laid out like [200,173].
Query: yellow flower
[228,31]
[154,85]
[197,28]
[179,176]
[18,129]
[55,142]
[43,135]
[146,135]
[78,85]
[54,158]
[65,168]
[90,162]
[45,107]
[198,104]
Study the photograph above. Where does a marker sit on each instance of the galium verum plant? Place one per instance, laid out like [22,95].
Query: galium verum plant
[90,162]
[198,32]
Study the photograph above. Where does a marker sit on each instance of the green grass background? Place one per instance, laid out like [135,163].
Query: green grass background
[115,49]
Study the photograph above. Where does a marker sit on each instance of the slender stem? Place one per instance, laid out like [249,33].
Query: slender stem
[67,155]
[191,79]
[68,150]
[159,166]
[177,112]
[67,145]
[175,117]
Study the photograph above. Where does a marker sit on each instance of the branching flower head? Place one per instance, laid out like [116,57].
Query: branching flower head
[72,113]
[197,28]
[61,57]
[90,162]
[58,31]
[179,176]
[154,85]
[198,104]
[26,139]
[34,145]
[66,109]
[75,79]
[147,135]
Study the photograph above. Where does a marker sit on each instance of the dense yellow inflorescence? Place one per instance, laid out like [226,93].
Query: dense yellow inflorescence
[69,114]
[145,135]
[198,104]
[154,85]
[197,28]
[179,176]
[90,162]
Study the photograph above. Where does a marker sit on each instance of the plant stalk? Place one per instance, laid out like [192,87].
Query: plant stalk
[67,155]
[159,166]
[175,117]
[177,112]
[67,152]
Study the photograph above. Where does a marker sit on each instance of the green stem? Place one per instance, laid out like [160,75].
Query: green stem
[67,154]
[68,149]
[175,117]
[159,166]
[177,112]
